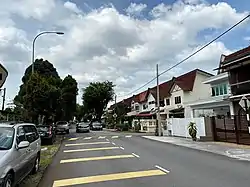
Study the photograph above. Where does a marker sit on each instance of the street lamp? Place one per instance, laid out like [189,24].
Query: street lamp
[33,44]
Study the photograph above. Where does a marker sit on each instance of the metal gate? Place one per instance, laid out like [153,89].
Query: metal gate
[232,129]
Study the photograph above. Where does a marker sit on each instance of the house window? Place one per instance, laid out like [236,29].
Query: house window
[137,107]
[145,106]
[151,102]
[167,102]
[177,100]
[220,89]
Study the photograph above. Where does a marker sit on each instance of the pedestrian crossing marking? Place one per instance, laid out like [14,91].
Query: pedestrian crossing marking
[115,137]
[89,143]
[101,137]
[72,139]
[107,177]
[87,138]
[90,149]
[96,158]
[129,136]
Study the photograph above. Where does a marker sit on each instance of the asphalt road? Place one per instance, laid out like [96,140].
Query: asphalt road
[109,159]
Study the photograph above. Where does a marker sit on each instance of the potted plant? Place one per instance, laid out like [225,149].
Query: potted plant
[192,129]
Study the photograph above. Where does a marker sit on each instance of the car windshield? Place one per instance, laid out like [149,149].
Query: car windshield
[43,128]
[84,124]
[96,124]
[62,123]
[6,137]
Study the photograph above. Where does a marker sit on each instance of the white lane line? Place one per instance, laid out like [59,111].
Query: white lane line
[129,136]
[87,138]
[122,148]
[161,168]
[101,137]
[113,143]
[115,137]
[107,140]
[136,155]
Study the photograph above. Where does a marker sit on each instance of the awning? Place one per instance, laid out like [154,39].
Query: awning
[178,110]
[144,115]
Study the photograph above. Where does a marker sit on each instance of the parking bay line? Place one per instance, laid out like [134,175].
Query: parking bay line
[90,149]
[87,138]
[96,158]
[115,137]
[89,143]
[107,177]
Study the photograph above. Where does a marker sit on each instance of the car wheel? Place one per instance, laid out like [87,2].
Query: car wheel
[36,165]
[77,131]
[67,131]
[8,181]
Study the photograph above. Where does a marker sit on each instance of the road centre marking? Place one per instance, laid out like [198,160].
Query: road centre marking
[101,137]
[89,143]
[161,168]
[115,137]
[136,155]
[96,158]
[113,143]
[107,177]
[90,149]
[122,148]
[87,138]
[72,139]
[129,136]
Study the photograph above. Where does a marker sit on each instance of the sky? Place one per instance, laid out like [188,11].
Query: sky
[118,40]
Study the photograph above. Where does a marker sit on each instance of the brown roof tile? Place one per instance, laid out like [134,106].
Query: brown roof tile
[238,54]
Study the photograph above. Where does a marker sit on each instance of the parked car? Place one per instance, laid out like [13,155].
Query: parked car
[47,133]
[20,148]
[62,127]
[96,126]
[82,127]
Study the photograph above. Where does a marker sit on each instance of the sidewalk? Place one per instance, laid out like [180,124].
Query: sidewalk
[240,152]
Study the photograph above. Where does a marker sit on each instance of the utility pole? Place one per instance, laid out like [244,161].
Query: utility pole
[4,95]
[115,115]
[158,120]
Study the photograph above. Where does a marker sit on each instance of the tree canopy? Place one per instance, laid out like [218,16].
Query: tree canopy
[45,94]
[96,97]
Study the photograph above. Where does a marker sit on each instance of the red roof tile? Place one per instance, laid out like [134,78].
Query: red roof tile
[238,54]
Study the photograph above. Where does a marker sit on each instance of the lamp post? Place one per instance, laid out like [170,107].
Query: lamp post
[33,44]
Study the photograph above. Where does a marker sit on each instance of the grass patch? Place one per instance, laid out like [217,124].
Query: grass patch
[46,159]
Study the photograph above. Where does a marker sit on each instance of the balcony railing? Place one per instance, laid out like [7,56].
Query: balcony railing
[240,88]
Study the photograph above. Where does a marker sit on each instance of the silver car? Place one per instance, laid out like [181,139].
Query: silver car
[20,148]
[62,127]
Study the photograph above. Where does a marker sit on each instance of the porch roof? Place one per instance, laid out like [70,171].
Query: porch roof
[210,103]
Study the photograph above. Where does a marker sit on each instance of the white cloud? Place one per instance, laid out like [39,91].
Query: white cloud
[72,6]
[135,9]
[104,44]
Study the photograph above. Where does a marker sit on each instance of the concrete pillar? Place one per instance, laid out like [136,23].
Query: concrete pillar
[231,109]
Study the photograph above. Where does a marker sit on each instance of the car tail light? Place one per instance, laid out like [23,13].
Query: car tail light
[50,130]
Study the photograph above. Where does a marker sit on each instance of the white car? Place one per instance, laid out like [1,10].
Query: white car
[20,148]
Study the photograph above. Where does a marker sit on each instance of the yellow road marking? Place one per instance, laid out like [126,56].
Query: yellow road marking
[89,143]
[96,158]
[72,139]
[90,149]
[108,177]
[114,136]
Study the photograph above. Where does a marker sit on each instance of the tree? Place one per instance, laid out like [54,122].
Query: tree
[69,92]
[96,97]
[41,97]
[42,67]
[79,113]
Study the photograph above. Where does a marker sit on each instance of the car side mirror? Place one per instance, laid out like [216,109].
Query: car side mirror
[23,144]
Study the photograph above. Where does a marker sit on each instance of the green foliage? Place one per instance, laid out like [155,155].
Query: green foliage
[192,129]
[96,97]
[45,94]
[69,92]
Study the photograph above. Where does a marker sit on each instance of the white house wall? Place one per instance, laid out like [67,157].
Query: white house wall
[173,95]
[151,98]
[200,90]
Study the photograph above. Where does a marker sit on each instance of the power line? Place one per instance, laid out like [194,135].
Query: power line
[191,55]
